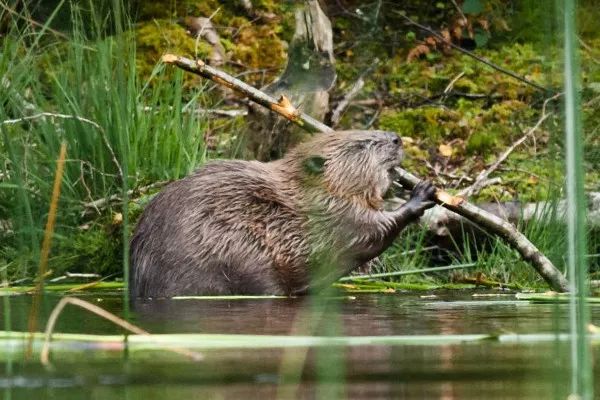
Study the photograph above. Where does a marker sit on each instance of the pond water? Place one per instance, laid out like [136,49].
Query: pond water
[475,370]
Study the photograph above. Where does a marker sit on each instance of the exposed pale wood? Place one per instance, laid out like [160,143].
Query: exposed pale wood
[496,225]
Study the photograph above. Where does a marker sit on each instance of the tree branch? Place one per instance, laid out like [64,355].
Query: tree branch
[281,106]
[482,177]
[488,221]
[500,227]
[336,115]
[473,55]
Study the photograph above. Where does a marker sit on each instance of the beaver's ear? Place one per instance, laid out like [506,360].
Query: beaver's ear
[314,165]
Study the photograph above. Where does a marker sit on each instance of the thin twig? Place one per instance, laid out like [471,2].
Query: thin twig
[336,115]
[209,33]
[105,201]
[74,275]
[474,56]
[460,11]
[203,111]
[453,81]
[483,175]
[450,86]
[44,354]
[43,115]
[31,21]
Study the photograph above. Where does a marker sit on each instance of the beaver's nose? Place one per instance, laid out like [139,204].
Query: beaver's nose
[394,138]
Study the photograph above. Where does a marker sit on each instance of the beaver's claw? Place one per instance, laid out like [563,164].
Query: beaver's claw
[422,197]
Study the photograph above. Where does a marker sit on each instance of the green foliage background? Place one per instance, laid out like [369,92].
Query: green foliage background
[101,63]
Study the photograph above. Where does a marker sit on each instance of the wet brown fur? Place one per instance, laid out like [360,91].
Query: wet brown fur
[246,227]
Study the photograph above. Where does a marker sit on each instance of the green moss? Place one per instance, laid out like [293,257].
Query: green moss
[255,45]
[96,249]
[433,123]
[462,104]
[481,142]
[259,47]
[158,37]
[426,78]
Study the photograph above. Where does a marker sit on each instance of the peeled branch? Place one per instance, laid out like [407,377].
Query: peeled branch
[499,226]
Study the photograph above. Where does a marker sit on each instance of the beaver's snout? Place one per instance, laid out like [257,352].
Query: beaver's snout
[395,146]
[396,139]
[393,138]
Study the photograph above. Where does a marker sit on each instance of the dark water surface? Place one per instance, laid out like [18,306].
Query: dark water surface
[481,370]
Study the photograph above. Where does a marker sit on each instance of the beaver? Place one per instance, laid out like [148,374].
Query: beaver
[280,227]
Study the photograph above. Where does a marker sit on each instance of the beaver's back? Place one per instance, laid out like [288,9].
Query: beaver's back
[231,227]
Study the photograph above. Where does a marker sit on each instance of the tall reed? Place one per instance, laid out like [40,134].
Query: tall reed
[581,379]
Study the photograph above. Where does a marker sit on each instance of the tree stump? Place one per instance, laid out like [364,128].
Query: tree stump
[306,81]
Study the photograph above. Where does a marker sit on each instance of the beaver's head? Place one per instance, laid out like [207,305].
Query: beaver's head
[350,164]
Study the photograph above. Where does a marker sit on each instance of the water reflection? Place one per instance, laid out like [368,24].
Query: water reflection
[472,371]
[360,316]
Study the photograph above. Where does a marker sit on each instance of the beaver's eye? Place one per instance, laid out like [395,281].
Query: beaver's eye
[396,140]
[314,165]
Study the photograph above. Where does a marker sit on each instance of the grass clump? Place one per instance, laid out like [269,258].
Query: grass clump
[122,131]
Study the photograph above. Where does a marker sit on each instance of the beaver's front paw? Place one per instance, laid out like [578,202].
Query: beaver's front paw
[422,197]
